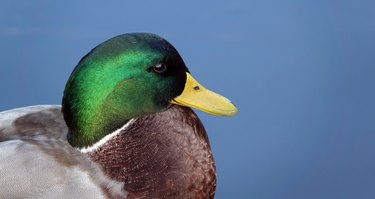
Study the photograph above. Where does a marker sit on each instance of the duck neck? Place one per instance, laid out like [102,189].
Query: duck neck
[91,116]
[88,127]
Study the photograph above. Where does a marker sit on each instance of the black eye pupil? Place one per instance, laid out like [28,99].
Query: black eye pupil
[160,68]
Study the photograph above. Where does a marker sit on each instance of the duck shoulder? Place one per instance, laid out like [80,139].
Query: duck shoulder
[36,160]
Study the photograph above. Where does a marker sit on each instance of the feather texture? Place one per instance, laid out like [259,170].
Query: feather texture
[162,155]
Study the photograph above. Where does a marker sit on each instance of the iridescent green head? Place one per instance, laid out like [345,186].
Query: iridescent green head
[125,77]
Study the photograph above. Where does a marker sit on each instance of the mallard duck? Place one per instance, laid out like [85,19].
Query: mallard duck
[124,130]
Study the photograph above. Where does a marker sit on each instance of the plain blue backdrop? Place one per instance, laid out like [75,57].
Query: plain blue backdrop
[302,74]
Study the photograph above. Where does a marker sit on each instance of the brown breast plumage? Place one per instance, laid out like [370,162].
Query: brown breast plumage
[163,155]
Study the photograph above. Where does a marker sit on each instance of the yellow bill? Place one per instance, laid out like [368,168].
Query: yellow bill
[196,96]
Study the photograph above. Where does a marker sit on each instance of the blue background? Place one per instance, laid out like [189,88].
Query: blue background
[302,74]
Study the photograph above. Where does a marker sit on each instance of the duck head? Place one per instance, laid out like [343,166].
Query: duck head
[126,77]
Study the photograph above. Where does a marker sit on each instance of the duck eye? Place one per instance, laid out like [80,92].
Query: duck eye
[159,68]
